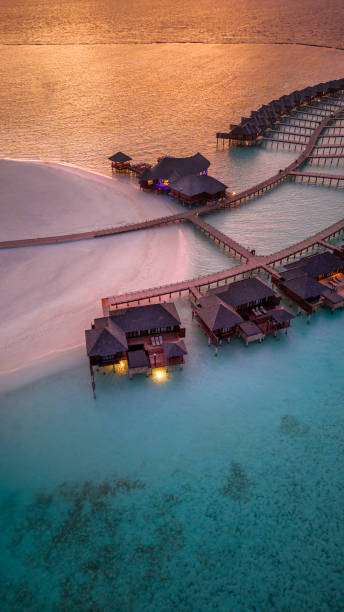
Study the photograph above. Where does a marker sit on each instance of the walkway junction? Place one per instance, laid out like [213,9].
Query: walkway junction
[236,301]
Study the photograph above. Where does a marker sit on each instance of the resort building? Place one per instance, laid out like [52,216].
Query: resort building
[137,340]
[314,281]
[250,129]
[248,309]
[120,162]
[197,188]
[170,169]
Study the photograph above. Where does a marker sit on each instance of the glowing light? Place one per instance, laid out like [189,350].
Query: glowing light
[159,374]
[121,367]
[233,192]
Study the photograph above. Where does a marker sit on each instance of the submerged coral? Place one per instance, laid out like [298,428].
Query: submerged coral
[291,426]
[80,535]
[237,485]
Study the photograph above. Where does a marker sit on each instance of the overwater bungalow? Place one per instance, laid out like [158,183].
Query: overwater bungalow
[250,129]
[170,169]
[314,281]
[197,189]
[137,340]
[248,309]
[120,162]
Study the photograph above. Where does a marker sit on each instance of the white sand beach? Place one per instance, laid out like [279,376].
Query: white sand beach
[47,198]
[51,293]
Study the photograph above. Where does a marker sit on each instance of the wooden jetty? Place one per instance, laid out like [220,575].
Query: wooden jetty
[319,177]
[221,239]
[255,265]
[228,202]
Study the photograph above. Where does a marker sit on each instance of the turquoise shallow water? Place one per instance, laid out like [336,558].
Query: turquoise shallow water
[226,493]
[283,216]
[222,488]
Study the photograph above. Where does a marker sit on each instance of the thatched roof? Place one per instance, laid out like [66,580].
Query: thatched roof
[108,339]
[321,263]
[196,184]
[304,286]
[146,317]
[170,168]
[174,349]
[137,359]
[281,315]
[216,314]
[120,157]
[245,291]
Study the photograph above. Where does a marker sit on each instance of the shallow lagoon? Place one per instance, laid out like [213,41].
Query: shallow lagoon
[285,215]
[219,488]
[222,488]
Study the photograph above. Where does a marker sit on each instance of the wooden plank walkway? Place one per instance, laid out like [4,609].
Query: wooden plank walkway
[221,238]
[297,134]
[308,243]
[303,120]
[255,264]
[288,133]
[177,289]
[319,175]
[285,141]
[329,146]
[329,156]
[184,216]
[150,223]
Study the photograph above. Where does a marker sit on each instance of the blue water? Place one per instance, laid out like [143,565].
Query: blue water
[220,488]
[283,216]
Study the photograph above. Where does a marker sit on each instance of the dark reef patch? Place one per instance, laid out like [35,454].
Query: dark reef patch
[238,484]
[291,426]
[82,538]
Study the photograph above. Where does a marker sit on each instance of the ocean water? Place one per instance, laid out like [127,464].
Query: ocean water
[221,487]
[282,216]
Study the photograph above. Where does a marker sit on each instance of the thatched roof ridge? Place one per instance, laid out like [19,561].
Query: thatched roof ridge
[120,157]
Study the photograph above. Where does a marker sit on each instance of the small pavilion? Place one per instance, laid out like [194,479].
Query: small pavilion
[120,162]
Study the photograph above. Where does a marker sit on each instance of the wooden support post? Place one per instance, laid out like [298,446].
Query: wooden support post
[92,381]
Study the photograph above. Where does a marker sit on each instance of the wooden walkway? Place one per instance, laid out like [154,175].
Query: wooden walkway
[221,238]
[308,244]
[150,223]
[255,265]
[285,141]
[325,156]
[289,133]
[318,175]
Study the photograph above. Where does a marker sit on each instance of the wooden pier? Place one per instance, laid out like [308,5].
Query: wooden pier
[222,239]
[253,264]
[229,202]
[319,177]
